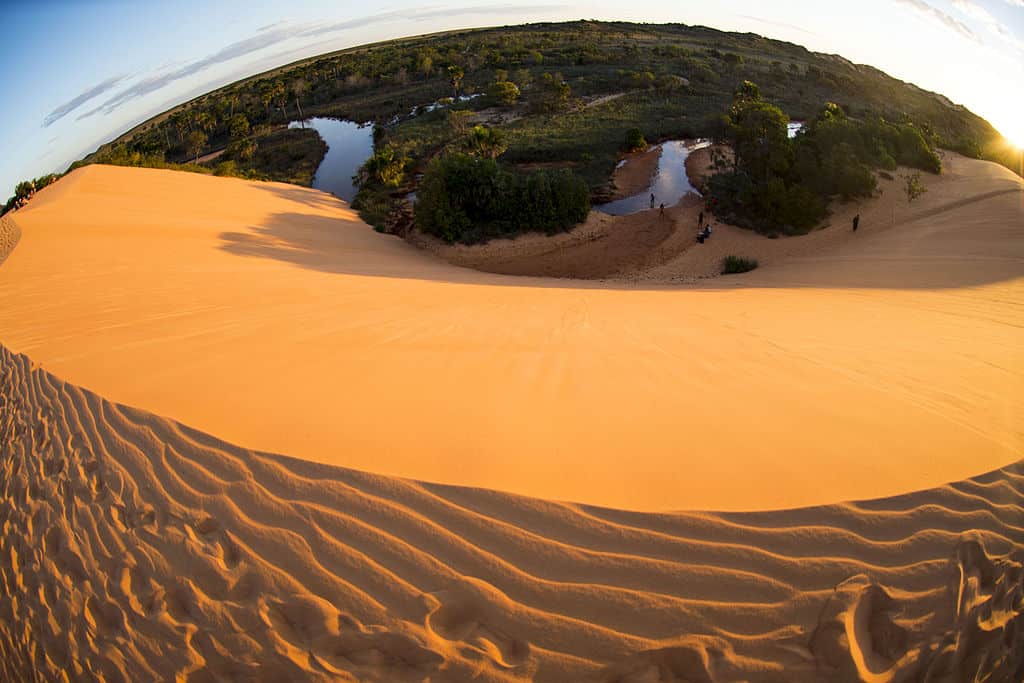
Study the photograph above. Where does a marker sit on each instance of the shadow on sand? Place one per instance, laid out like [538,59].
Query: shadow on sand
[985,248]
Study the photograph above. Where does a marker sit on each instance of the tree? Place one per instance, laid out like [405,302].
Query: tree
[243,150]
[505,92]
[195,143]
[281,98]
[488,143]
[267,97]
[455,76]
[522,78]
[757,131]
[459,120]
[205,121]
[912,186]
[468,199]
[386,167]
[238,127]
[747,91]
[554,94]
[232,100]
[635,140]
[299,88]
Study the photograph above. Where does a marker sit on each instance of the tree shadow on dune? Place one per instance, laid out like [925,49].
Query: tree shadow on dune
[326,235]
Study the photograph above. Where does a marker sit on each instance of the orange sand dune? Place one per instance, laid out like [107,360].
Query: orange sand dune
[270,316]
[137,549]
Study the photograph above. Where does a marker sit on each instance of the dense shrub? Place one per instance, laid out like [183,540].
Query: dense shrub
[505,92]
[782,185]
[736,264]
[468,199]
[635,140]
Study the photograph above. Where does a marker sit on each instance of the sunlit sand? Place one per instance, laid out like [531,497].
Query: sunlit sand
[271,316]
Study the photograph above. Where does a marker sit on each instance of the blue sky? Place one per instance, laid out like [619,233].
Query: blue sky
[78,73]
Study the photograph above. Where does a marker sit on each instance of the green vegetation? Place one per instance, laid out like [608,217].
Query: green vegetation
[468,199]
[736,264]
[672,81]
[912,186]
[505,92]
[287,155]
[778,185]
[635,140]
[25,189]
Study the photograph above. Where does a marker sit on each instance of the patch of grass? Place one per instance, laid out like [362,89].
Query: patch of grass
[737,264]
[288,155]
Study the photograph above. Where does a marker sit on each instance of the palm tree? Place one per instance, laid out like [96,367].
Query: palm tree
[195,143]
[299,87]
[456,74]
[487,142]
[281,98]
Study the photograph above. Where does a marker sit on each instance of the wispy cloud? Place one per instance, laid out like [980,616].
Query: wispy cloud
[281,32]
[939,18]
[77,101]
[975,11]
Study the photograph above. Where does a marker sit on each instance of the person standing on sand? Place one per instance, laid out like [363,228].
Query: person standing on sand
[700,219]
[663,208]
[652,200]
[856,222]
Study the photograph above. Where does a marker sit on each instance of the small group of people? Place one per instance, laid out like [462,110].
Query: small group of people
[662,204]
[705,232]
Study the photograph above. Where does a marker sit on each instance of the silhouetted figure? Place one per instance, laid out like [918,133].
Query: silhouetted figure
[700,219]
[856,222]
[663,208]
[652,200]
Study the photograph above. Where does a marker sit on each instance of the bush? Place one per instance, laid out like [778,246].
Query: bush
[226,168]
[635,140]
[467,199]
[505,92]
[736,264]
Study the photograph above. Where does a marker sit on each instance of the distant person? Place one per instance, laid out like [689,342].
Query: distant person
[856,222]
[700,219]
[652,200]
[663,208]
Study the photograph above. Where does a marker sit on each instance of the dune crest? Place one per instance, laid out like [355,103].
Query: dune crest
[136,548]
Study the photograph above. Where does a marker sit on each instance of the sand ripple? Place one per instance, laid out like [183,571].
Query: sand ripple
[136,548]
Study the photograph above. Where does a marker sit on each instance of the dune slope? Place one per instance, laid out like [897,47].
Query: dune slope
[271,316]
[135,548]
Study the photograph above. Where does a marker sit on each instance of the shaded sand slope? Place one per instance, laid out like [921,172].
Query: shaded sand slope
[269,315]
[135,548]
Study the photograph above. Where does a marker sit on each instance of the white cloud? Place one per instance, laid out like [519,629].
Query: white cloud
[80,99]
[939,18]
[972,9]
[281,32]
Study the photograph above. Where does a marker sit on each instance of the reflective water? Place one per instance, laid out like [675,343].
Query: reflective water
[669,185]
[349,144]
